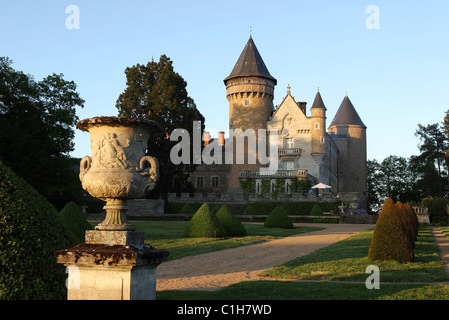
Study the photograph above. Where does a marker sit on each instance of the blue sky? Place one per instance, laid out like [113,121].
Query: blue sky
[396,76]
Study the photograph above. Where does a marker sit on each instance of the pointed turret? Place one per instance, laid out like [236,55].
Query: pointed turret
[250,64]
[318,116]
[318,102]
[347,115]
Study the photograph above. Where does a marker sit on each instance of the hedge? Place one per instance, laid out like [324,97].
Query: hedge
[75,221]
[260,208]
[31,231]
[437,209]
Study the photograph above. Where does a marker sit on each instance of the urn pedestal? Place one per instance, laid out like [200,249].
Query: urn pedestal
[114,263]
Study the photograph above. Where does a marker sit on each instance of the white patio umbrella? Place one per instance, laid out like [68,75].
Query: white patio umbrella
[321,186]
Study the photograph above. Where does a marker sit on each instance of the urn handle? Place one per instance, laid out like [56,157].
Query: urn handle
[85,165]
[152,171]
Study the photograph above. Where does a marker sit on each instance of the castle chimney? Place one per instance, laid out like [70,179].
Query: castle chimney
[206,137]
[221,139]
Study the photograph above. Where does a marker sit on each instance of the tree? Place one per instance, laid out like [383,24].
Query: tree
[156,92]
[393,177]
[37,122]
[375,190]
[431,164]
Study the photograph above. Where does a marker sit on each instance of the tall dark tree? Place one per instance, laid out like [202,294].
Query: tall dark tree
[445,129]
[156,92]
[431,163]
[395,178]
[375,188]
[37,128]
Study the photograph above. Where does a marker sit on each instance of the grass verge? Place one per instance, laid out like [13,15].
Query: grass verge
[344,261]
[347,261]
[168,235]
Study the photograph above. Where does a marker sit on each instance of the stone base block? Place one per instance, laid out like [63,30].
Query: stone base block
[117,272]
[111,283]
[112,238]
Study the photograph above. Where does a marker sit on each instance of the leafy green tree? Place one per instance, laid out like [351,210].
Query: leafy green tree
[375,190]
[394,177]
[431,164]
[37,122]
[156,92]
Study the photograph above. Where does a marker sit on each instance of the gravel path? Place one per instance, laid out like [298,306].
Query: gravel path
[212,271]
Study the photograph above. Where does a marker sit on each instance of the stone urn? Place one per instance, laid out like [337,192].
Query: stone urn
[119,168]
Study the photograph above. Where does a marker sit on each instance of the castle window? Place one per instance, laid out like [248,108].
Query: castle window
[199,181]
[289,165]
[215,181]
[322,139]
[288,143]
[317,125]
[246,102]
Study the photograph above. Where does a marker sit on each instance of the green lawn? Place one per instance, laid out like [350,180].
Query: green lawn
[168,235]
[336,272]
[347,261]
[343,263]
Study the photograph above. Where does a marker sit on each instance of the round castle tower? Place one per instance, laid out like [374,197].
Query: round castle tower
[349,133]
[318,115]
[250,92]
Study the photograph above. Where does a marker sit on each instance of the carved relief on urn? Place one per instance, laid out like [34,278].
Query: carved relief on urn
[119,168]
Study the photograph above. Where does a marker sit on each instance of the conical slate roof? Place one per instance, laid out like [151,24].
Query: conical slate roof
[318,103]
[250,63]
[347,115]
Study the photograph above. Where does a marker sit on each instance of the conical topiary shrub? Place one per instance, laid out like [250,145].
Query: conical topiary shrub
[215,209]
[232,226]
[250,209]
[316,210]
[406,221]
[204,224]
[75,221]
[414,220]
[390,240]
[278,218]
[186,209]
[31,232]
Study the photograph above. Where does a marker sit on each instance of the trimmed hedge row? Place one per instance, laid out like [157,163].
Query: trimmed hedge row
[260,208]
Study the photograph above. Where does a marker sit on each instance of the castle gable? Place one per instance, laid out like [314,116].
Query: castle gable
[287,109]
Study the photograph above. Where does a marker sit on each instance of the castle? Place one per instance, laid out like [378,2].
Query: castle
[306,151]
